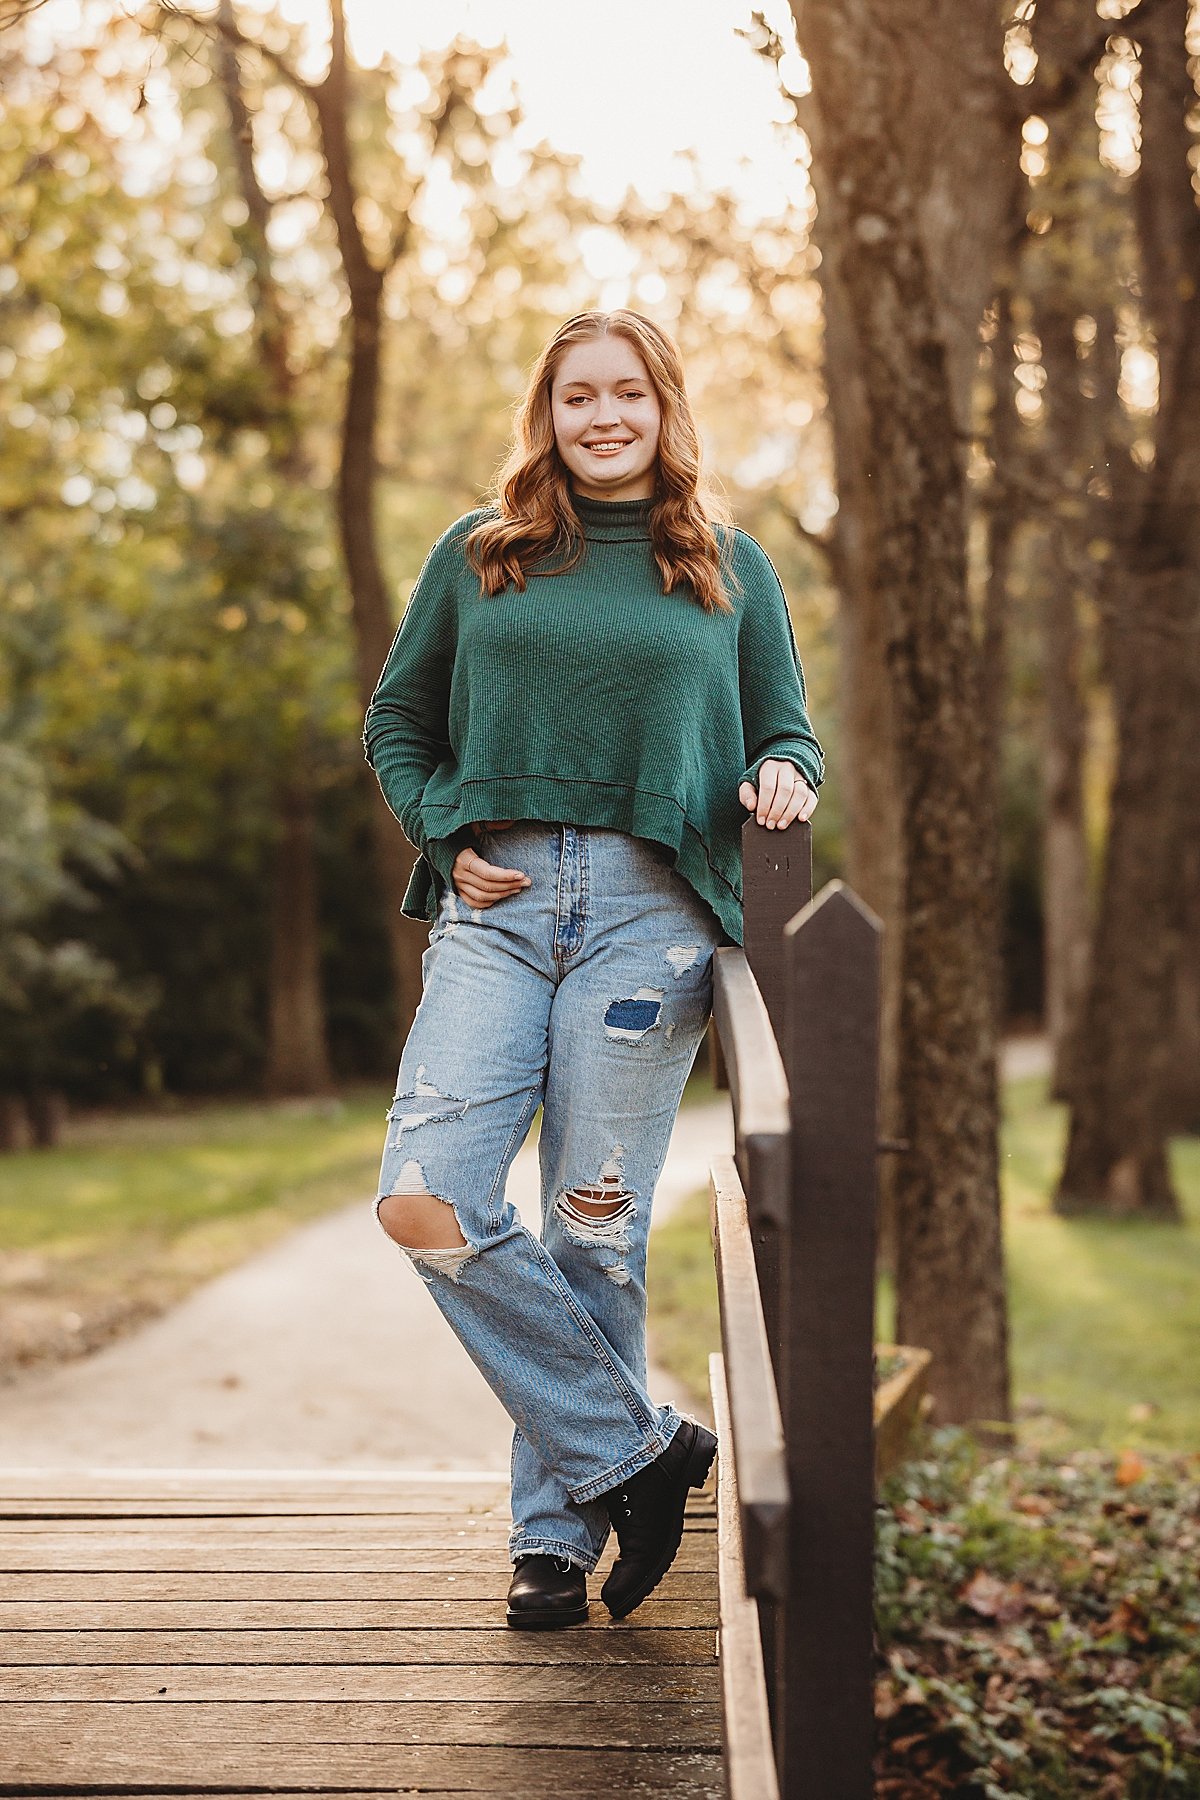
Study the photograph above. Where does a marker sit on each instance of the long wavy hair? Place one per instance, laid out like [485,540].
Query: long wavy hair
[533,495]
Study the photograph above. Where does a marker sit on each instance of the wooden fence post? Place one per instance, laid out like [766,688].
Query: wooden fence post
[831,1055]
[776,883]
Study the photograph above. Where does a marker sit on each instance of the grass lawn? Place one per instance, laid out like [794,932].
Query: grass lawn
[1105,1313]
[134,1209]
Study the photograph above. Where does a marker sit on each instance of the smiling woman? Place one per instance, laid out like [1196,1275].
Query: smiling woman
[594,678]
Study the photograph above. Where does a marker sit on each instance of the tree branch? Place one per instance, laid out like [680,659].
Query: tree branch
[231,31]
[823,542]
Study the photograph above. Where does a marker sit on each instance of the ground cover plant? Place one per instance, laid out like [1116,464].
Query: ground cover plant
[1038,1625]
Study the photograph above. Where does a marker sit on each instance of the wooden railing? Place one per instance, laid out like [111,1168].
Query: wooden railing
[797,1018]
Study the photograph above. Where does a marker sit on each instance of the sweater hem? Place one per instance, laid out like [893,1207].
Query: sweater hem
[601,805]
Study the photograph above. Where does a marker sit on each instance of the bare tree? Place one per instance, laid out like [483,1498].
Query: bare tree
[297,1045]
[893,164]
[1122,1070]
[330,103]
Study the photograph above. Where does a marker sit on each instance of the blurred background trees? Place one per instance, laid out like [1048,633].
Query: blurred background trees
[261,329]
[263,334]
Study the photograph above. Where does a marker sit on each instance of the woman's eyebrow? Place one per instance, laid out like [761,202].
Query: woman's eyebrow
[621,381]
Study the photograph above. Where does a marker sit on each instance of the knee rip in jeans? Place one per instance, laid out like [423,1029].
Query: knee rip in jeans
[410,1211]
[598,1215]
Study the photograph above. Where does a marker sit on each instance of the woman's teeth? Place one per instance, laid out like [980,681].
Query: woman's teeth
[605,449]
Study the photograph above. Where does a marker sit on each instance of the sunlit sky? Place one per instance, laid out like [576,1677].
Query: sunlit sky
[626,86]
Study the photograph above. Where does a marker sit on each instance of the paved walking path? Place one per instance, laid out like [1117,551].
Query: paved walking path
[324,1352]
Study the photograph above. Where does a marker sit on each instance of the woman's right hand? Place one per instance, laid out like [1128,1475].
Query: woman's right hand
[481,883]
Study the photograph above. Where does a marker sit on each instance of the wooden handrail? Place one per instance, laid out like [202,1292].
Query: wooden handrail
[756,1424]
[757,1083]
[749,1751]
[761,1118]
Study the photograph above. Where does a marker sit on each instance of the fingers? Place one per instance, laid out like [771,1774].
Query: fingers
[782,795]
[481,883]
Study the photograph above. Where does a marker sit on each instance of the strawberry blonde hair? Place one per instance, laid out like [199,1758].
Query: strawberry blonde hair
[533,495]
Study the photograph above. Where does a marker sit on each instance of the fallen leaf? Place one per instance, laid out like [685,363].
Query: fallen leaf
[1131,1468]
[992,1598]
[1128,1617]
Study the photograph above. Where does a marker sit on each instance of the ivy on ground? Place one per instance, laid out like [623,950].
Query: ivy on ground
[1038,1626]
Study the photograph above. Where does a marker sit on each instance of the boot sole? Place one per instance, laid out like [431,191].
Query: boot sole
[547,1621]
[700,1460]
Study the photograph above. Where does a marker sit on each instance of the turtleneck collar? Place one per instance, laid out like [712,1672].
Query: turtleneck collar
[613,521]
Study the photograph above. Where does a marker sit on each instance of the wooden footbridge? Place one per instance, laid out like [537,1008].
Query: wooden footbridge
[193,1634]
[183,1633]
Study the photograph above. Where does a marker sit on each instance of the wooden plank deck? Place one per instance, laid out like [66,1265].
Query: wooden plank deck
[258,1633]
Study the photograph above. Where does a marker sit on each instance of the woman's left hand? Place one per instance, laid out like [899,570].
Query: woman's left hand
[782,795]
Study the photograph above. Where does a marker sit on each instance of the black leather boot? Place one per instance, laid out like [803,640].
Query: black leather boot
[647,1515]
[547,1591]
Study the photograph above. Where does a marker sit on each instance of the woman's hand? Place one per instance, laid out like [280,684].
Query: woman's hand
[783,795]
[479,882]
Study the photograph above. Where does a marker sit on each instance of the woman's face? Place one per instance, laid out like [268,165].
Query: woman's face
[606,420]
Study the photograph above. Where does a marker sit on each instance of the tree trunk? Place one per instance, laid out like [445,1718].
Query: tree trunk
[358,473]
[1121,1070]
[47,1116]
[874,849]
[14,1123]
[918,267]
[298,1054]
[1184,1100]
[297,1050]
[1117,1147]
[358,469]
[1065,886]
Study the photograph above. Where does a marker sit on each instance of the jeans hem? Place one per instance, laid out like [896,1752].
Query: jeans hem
[602,1484]
[583,1559]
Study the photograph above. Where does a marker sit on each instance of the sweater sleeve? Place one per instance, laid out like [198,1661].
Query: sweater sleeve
[774,703]
[406,733]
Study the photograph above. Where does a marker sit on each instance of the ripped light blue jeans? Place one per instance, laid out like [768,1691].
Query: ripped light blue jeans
[588,992]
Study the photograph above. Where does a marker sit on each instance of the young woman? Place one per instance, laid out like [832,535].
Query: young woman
[594,678]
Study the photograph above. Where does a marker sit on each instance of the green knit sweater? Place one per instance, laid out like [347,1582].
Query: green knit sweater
[592,698]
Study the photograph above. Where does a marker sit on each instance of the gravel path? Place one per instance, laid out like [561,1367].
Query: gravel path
[325,1351]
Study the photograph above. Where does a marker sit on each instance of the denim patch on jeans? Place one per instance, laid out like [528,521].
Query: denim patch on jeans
[588,992]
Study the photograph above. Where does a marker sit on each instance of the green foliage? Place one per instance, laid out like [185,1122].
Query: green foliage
[54,988]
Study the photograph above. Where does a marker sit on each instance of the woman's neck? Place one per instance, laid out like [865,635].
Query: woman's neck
[614,520]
